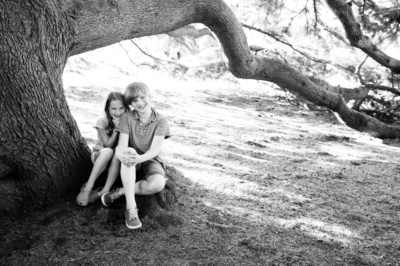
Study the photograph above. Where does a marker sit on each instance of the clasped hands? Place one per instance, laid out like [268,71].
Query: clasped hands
[128,156]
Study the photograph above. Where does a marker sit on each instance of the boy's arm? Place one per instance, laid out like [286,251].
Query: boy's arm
[128,156]
[154,150]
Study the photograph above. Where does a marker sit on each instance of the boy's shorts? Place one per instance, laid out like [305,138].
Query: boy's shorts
[149,168]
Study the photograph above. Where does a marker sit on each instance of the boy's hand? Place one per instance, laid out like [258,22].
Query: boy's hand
[129,157]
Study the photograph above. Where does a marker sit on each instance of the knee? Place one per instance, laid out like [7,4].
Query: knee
[156,185]
[108,151]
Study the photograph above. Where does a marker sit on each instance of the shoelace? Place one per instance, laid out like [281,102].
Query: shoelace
[132,214]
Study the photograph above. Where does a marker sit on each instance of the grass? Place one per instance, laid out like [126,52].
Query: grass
[264,183]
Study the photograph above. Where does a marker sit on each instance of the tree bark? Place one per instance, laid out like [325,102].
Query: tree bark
[40,142]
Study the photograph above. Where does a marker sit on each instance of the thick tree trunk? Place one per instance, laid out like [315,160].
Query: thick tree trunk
[42,152]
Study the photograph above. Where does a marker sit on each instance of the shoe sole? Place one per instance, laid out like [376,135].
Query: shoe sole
[133,227]
[102,200]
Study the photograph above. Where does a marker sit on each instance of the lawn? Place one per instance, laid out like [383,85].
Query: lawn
[263,182]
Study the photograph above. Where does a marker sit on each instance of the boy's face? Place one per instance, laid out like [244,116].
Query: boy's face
[141,103]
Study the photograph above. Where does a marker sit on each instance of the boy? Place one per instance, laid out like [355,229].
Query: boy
[142,132]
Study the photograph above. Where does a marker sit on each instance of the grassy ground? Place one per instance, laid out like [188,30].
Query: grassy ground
[265,183]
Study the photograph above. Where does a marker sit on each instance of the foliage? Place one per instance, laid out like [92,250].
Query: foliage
[380,22]
[306,35]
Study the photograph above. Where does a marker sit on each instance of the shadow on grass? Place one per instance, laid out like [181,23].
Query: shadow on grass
[229,230]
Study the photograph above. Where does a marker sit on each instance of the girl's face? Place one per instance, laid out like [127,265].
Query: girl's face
[116,109]
[142,103]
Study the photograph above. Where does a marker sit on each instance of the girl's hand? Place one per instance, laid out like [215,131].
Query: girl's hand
[115,122]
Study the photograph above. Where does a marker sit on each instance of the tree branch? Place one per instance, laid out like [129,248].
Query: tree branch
[127,53]
[383,88]
[333,32]
[278,38]
[191,31]
[134,20]
[244,65]
[354,34]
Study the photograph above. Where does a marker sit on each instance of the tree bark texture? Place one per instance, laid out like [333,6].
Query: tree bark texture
[40,143]
[41,146]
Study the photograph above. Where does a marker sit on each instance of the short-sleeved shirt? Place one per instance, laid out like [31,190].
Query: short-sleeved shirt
[100,124]
[141,135]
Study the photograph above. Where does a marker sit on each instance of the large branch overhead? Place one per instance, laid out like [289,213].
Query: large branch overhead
[356,37]
[282,40]
[120,20]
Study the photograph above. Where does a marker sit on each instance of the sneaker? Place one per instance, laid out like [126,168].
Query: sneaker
[132,219]
[110,197]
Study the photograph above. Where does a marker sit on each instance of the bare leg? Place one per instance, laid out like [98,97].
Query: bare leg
[99,166]
[152,185]
[128,176]
[113,172]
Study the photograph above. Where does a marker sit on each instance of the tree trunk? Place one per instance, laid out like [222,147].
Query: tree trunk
[42,152]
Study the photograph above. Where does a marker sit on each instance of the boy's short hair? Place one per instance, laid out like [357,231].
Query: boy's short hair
[132,91]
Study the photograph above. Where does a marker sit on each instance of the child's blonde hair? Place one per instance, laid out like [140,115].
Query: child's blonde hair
[132,91]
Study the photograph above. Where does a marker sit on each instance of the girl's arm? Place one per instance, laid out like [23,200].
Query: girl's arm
[108,141]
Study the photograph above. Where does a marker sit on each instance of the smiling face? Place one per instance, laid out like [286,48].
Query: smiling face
[116,109]
[141,103]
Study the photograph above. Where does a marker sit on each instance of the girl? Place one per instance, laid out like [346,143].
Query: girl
[142,132]
[103,151]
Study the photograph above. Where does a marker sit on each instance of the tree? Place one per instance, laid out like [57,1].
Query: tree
[42,152]
[374,86]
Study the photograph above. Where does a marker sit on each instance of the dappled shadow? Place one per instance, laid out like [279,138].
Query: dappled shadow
[265,183]
[239,224]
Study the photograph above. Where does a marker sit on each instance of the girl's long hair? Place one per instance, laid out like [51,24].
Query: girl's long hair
[112,97]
